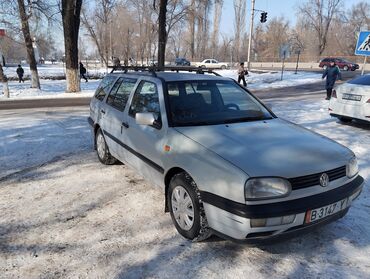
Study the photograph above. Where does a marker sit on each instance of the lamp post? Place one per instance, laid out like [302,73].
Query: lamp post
[250,36]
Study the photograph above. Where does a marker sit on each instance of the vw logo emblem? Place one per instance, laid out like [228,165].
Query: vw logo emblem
[324,180]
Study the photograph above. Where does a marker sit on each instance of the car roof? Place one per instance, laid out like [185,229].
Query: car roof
[172,76]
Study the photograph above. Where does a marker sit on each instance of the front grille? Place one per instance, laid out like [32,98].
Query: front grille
[314,179]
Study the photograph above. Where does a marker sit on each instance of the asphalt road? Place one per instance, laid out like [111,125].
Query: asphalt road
[286,92]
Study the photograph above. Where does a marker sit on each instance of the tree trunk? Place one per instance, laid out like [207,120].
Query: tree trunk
[71,10]
[4,80]
[162,33]
[35,82]
[192,30]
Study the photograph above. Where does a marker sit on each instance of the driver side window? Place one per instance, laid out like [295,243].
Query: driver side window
[145,99]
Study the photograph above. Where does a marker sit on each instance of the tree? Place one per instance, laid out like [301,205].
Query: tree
[319,15]
[4,80]
[99,27]
[239,24]
[35,82]
[162,36]
[216,25]
[71,10]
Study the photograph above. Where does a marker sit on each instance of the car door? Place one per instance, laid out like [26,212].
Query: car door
[214,64]
[114,124]
[145,144]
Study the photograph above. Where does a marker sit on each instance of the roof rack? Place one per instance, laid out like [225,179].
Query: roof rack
[154,69]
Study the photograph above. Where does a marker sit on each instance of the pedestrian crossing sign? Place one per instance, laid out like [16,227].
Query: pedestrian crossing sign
[363,44]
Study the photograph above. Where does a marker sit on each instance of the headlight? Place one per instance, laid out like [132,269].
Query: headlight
[266,188]
[352,167]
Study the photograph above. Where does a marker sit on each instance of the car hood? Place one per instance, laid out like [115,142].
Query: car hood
[270,148]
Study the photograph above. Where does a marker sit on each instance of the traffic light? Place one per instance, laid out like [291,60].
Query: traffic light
[263,17]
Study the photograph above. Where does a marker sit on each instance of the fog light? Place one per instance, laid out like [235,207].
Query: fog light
[258,223]
[276,221]
[273,221]
[288,219]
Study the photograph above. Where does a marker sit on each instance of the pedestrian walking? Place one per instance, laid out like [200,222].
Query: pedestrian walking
[242,72]
[20,73]
[83,72]
[332,73]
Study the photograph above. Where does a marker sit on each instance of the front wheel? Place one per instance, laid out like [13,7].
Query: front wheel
[345,68]
[186,210]
[102,149]
[223,67]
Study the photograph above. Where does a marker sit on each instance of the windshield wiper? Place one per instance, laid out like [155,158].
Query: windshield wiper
[246,119]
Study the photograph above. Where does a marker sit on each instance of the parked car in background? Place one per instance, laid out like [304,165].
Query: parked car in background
[180,61]
[340,62]
[351,100]
[225,162]
[212,64]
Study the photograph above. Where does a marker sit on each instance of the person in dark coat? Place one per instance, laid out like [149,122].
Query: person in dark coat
[242,72]
[83,72]
[332,73]
[20,73]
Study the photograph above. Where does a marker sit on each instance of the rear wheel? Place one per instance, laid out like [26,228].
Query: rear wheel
[102,149]
[186,210]
[344,119]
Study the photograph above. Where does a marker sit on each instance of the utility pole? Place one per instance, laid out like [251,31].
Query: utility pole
[250,36]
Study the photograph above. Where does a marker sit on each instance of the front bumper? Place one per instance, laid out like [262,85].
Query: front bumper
[232,219]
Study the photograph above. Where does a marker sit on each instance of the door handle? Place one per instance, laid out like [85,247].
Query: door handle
[102,111]
[124,124]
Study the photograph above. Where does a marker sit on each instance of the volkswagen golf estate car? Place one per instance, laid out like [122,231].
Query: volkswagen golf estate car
[227,164]
[351,100]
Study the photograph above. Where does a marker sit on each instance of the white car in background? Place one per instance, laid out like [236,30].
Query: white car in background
[212,64]
[351,100]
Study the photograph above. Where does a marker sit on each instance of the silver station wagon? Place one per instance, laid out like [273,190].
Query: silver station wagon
[226,164]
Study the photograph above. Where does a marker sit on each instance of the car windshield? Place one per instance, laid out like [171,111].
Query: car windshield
[210,102]
[362,80]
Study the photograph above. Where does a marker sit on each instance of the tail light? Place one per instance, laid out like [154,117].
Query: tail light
[334,94]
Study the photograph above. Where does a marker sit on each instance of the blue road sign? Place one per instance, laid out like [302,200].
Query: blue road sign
[363,44]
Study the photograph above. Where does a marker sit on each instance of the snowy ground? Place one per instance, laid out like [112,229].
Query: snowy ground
[52,71]
[76,218]
[56,88]
[263,80]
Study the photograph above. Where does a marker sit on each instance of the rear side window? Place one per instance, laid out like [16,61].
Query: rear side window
[104,86]
[363,80]
[120,93]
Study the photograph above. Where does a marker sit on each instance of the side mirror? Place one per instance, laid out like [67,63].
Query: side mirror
[145,118]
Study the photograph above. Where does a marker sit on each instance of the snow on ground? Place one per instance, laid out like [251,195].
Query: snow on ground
[49,89]
[56,88]
[264,80]
[52,71]
[76,218]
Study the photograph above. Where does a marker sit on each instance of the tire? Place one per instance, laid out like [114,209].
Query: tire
[223,67]
[186,210]
[344,119]
[203,66]
[345,68]
[324,67]
[102,149]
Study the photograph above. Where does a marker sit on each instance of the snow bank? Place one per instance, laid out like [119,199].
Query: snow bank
[257,80]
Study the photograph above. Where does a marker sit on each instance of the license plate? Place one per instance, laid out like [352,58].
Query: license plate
[314,215]
[351,97]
